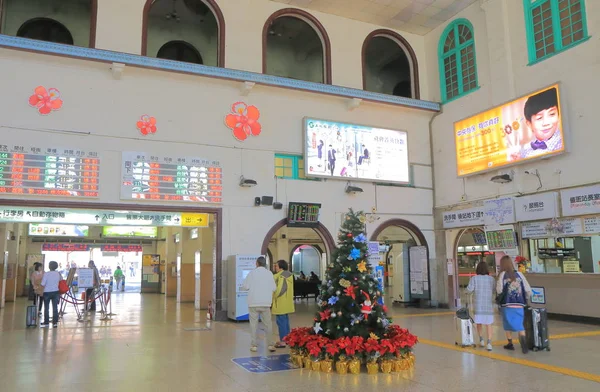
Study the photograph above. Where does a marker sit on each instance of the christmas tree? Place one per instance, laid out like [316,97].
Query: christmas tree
[351,299]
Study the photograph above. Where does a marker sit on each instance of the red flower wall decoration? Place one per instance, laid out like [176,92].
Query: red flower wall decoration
[243,120]
[147,125]
[45,100]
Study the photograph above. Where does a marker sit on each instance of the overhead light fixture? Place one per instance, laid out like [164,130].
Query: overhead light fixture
[247,183]
[173,15]
[353,189]
[502,179]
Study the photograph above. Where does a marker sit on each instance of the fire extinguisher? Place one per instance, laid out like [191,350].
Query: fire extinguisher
[209,315]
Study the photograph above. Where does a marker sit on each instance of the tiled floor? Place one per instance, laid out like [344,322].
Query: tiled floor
[146,348]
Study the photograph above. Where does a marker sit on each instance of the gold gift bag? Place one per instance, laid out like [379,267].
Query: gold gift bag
[354,366]
[342,367]
[307,361]
[386,366]
[372,367]
[327,366]
[315,365]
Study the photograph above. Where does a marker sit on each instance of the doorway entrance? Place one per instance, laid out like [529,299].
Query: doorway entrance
[138,240]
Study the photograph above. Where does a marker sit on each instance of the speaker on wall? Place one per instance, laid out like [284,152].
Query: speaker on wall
[257,201]
[267,200]
[277,205]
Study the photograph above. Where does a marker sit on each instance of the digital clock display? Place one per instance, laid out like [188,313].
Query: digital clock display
[153,177]
[48,172]
[303,214]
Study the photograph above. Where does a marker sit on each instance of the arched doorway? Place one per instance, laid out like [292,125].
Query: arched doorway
[281,242]
[396,237]
[70,22]
[390,65]
[296,46]
[197,23]
[471,248]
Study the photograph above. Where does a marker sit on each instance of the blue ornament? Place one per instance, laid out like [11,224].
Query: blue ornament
[333,300]
[361,238]
[355,254]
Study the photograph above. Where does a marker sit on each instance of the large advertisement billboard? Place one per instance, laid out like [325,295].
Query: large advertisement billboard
[349,151]
[527,128]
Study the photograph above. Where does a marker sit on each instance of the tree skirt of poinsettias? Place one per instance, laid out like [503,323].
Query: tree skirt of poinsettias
[352,326]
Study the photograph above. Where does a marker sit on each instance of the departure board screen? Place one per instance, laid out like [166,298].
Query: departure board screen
[303,214]
[153,177]
[41,171]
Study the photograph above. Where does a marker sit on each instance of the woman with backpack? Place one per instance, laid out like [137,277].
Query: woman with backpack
[513,291]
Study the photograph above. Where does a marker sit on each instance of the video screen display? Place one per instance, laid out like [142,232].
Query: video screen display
[348,151]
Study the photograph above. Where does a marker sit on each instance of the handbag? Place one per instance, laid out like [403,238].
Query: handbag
[501,298]
[63,288]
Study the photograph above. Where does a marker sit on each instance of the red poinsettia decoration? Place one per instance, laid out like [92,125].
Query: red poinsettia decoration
[331,348]
[355,344]
[45,100]
[350,292]
[521,260]
[147,125]
[325,315]
[243,120]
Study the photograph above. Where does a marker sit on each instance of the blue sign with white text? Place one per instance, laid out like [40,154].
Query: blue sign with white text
[271,363]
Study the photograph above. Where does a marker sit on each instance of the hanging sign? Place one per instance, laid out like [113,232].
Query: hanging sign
[499,211]
[464,218]
[581,201]
[121,248]
[536,207]
[49,247]
[95,217]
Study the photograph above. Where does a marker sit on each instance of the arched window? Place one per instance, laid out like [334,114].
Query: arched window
[45,29]
[296,46]
[553,26]
[389,65]
[184,26]
[69,22]
[458,66]
[179,51]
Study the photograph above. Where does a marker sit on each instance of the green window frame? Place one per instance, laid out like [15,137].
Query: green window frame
[553,26]
[457,60]
[289,166]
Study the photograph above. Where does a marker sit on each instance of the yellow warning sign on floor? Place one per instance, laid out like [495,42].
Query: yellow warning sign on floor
[194,220]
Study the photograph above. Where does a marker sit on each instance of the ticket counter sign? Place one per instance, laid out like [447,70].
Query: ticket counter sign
[530,127]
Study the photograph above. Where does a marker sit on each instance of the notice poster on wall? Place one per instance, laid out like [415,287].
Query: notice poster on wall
[530,127]
[419,272]
[349,151]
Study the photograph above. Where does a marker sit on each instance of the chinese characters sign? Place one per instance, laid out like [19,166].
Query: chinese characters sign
[535,207]
[153,177]
[347,151]
[38,171]
[526,128]
[91,217]
[463,218]
[581,201]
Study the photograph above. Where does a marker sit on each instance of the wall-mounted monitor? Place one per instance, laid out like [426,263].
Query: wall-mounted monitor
[303,214]
[527,128]
[355,152]
[53,230]
[129,231]
[501,238]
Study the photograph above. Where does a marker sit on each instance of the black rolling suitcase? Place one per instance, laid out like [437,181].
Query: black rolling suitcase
[31,317]
[536,329]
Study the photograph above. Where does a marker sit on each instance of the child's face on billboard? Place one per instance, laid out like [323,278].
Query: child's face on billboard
[544,123]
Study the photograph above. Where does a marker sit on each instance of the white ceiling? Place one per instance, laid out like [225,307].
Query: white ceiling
[413,16]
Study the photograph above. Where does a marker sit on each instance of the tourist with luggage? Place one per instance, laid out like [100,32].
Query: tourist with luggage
[513,291]
[484,288]
[36,285]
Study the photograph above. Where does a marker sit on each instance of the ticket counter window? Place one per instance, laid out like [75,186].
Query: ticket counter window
[565,255]
[472,248]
